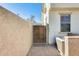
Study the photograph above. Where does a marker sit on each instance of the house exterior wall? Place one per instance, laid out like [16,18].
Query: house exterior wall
[45,13]
[75,22]
[54,20]
[45,18]
[54,26]
[64,5]
[15,34]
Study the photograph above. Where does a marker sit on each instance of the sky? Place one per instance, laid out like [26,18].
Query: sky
[25,10]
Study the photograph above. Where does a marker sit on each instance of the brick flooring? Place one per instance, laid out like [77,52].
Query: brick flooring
[43,50]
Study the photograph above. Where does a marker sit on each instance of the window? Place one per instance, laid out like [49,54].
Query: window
[65,22]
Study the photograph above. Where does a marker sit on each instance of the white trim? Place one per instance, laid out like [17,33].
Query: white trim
[66,46]
[58,38]
[63,14]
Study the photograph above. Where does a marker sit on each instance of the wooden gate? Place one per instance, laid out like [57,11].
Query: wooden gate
[39,34]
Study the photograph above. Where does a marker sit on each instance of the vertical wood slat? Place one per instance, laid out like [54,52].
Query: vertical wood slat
[39,34]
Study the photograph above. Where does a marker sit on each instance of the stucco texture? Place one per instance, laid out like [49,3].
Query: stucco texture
[15,34]
[73,46]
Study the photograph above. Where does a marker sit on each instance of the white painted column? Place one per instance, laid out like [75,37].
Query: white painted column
[47,22]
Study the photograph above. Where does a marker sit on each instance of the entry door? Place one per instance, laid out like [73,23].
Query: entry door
[39,34]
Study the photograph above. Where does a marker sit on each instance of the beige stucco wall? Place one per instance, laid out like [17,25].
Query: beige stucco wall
[73,46]
[15,34]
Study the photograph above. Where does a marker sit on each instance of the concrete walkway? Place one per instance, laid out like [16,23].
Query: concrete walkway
[43,50]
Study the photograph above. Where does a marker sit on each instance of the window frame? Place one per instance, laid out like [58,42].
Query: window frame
[65,23]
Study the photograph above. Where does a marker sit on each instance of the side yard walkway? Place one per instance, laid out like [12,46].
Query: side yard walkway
[43,50]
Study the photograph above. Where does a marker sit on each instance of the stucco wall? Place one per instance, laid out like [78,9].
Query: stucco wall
[54,25]
[15,34]
[75,22]
[73,45]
